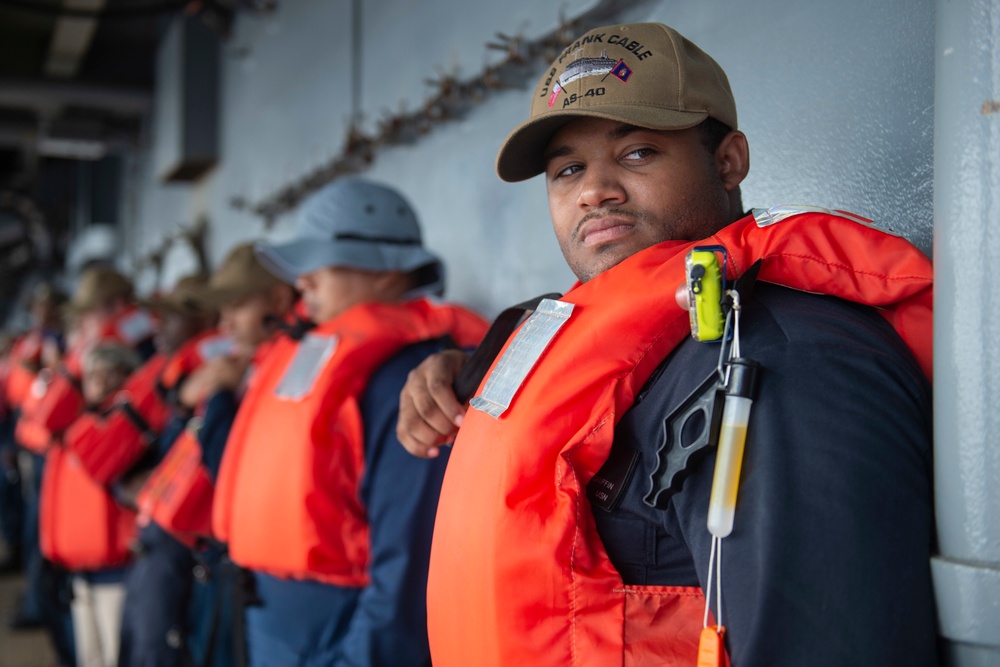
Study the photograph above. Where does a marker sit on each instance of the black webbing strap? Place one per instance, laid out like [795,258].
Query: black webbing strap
[147,433]
[244,594]
[476,366]
[74,381]
[744,284]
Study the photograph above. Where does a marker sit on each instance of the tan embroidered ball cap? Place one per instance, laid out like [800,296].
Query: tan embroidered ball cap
[644,74]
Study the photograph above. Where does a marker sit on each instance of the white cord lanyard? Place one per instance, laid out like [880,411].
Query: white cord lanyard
[738,375]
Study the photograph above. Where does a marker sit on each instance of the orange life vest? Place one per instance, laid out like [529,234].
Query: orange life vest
[55,398]
[110,444]
[206,345]
[518,572]
[130,327]
[140,411]
[81,527]
[178,494]
[287,499]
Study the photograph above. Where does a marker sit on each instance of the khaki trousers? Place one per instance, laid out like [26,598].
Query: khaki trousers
[97,622]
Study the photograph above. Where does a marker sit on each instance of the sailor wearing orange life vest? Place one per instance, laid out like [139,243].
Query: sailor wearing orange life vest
[834,514]
[82,528]
[160,577]
[167,606]
[26,357]
[35,350]
[315,496]
[104,311]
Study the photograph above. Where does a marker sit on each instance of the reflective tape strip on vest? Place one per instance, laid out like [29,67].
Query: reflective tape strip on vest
[192,354]
[287,497]
[178,494]
[80,526]
[109,446]
[518,572]
[130,327]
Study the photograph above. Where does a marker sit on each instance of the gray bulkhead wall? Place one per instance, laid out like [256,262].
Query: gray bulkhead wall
[967,327]
[836,98]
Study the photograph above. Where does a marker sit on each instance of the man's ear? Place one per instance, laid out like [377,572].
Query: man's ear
[282,298]
[392,284]
[732,159]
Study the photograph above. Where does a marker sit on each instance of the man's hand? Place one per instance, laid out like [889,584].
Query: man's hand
[213,376]
[429,413]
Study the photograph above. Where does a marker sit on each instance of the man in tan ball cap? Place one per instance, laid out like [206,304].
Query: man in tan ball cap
[579,522]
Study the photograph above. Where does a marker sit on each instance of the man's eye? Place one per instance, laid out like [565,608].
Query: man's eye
[568,171]
[639,154]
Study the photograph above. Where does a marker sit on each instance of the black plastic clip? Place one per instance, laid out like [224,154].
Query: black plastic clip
[687,433]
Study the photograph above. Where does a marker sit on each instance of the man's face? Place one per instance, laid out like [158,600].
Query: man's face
[615,189]
[244,320]
[101,381]
[329,291]
[175,328]
[92,322]
[44,313]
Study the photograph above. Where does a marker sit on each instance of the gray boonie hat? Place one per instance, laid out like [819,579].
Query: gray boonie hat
[358,224]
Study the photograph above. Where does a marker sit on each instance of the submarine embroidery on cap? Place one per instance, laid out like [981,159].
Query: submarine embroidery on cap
[582,67]
[589,66]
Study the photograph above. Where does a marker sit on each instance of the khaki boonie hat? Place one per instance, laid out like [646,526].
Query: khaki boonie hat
[46,293]
[240,275]
[184,298]
[98,287]
[644,74]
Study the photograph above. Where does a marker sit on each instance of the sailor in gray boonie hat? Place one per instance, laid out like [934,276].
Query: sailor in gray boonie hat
[358,224]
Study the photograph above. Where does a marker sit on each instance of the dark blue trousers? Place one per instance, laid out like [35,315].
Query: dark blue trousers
[157,593]
[210,613]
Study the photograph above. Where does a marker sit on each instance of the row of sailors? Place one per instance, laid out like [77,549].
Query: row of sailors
[223,489]
[575,524]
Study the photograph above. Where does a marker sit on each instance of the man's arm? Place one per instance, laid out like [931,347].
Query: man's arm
[400,492]
[220,412]
[429,413]
[828,563]
[214,384]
